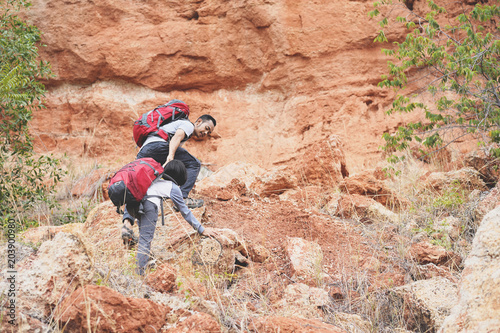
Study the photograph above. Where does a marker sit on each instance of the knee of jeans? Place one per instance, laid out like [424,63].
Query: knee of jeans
[193,164]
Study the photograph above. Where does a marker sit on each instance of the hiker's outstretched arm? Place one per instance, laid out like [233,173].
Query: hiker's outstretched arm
[174,143]
[176,197]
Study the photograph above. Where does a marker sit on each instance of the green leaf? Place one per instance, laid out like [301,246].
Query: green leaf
[457,63]
[25,176]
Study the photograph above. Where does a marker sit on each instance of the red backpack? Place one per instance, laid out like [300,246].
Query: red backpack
[150,122]
[130,184]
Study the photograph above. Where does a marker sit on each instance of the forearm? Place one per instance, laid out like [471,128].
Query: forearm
[176,197]
[189,217]
[175,142]
[173,145]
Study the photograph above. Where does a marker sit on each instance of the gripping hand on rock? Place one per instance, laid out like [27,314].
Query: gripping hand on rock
[210,232]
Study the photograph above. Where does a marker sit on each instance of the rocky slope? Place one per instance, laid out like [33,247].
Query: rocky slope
[306,260]
[313,238]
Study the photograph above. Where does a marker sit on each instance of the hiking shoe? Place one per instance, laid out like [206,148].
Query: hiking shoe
[128,237]
[194,203]
[151,264]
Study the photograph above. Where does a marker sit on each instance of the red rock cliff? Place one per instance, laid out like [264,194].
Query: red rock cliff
[278,75]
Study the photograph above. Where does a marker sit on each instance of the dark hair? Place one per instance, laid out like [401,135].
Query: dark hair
[207,117]
[175,171]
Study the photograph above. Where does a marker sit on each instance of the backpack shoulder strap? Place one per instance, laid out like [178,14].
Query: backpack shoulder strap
[161,205]
[149,165]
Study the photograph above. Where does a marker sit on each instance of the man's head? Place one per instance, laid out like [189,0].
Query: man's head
[204,126]
[175,170]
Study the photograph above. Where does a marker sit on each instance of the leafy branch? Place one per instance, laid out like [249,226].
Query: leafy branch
[26,179]
[458,65]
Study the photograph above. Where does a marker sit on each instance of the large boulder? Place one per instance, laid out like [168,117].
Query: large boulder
[300,300]
[478,305]
[59,267]
[306,259]
[102,309]
[322,163]
[424,304]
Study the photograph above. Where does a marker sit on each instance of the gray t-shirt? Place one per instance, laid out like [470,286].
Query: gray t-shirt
[171,128]
[167,189]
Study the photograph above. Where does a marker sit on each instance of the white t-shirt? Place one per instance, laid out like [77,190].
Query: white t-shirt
[171,128]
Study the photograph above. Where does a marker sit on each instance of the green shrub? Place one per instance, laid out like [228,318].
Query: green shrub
[26,179]
[456,63]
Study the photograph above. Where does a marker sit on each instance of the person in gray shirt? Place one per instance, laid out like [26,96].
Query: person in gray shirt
[174,175]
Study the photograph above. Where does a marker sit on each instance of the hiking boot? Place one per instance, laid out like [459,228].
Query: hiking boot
[151,264]
[194,203]
[128,237]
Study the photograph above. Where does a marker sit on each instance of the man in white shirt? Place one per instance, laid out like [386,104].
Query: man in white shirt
[163,151]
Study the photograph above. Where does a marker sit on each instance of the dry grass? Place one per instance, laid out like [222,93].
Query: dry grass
[70,208]
[425,218]
[237,297]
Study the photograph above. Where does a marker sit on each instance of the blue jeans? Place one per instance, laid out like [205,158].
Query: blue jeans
[159,151]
